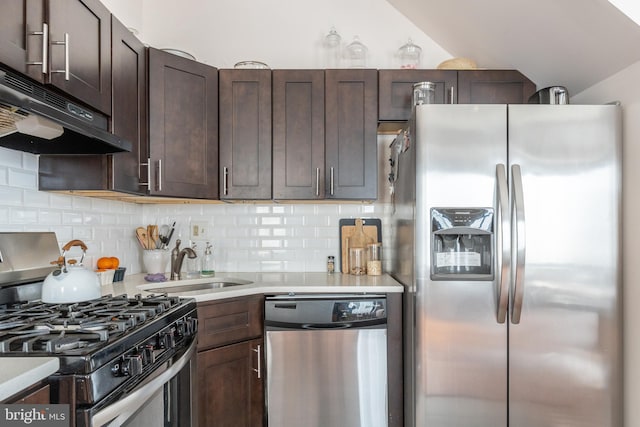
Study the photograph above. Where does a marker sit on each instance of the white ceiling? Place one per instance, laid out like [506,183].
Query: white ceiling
[574,43]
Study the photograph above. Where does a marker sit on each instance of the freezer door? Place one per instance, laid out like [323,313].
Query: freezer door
[460,347]
[564,335]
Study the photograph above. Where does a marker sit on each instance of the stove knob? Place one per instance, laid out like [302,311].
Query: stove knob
[181,328]
[167,339]
[148,356]
[132,365]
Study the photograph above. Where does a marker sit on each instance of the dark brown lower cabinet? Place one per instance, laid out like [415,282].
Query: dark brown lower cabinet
[37,394]
[231,393]
[230,363]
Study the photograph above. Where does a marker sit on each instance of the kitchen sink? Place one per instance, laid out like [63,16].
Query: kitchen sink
[190,287]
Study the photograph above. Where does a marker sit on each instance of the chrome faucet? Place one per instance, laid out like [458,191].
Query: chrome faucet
[177,257]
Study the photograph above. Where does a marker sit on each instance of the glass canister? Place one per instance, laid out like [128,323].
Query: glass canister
[357,261]
[424,93]
[332,49]
[355,54]
[374,259]
[409,55]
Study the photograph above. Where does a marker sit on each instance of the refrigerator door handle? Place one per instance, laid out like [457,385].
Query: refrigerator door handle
[518,244]
[504,248]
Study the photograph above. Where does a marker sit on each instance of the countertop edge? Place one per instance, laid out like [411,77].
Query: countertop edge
[19,373]
[264,283]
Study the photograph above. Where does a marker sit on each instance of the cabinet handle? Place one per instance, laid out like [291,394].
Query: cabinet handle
[45,45]
[148,165]
[452,95]
[317,182]
[225,173]
[159,184]
[331,181]
[259,370]
[66,56]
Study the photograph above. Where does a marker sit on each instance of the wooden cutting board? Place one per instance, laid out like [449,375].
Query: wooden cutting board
[372,227]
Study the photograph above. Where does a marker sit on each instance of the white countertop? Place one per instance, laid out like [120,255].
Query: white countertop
[261,283]
[19,373]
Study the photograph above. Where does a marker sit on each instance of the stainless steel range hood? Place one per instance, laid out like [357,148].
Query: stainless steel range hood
[40,121]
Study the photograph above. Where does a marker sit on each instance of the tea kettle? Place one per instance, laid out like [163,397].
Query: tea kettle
[70,282]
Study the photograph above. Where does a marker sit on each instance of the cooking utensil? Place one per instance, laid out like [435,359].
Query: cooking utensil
[141,234]
[152,236]
[70,282]
[173,227]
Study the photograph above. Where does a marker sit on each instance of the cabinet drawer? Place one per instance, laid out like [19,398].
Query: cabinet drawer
[36,394]
[229,321]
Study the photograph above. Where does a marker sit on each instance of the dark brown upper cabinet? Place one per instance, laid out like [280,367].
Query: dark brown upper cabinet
[395,90]
[452,87]
[298,134]
[494,87]
[351,119]
[183,127]
[245,134]
[118,172]
[65,43]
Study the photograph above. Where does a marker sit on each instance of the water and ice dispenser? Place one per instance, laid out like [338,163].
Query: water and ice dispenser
[462,243]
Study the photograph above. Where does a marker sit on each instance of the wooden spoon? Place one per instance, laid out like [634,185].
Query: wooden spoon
[141,234]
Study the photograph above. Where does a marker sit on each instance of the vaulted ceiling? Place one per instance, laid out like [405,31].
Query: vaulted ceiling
[573,43]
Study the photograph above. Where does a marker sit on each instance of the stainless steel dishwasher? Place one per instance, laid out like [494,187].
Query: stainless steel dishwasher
[326,360]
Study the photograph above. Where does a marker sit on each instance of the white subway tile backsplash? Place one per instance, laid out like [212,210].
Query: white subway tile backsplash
[11,196]
[23,216]
[23,179]
[11,158]
[267,237]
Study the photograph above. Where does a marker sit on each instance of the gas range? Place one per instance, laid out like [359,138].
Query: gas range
[117,354]
[87,335]
[106,347]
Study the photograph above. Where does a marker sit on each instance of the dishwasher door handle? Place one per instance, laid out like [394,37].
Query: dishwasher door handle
[320,326]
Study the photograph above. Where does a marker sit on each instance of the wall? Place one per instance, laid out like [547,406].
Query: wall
[283,33]
[624,88]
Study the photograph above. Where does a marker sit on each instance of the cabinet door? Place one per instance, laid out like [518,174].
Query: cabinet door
[245,134]
[183,126]
[494,87]
[230,385]
[395,90]
[351,119]
[117,172]
[129,112]
[20,20]
[229,321]
[87,57]
[298,134]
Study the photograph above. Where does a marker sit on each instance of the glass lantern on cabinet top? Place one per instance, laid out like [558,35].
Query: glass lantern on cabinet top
[355,54]
[409,55]
[332,44]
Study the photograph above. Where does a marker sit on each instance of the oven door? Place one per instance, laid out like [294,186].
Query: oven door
[165,399]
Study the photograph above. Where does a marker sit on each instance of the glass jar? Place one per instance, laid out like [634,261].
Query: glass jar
[357,261]
[409,55]
[374,259]
[355,54]
[332,49]
[424,93]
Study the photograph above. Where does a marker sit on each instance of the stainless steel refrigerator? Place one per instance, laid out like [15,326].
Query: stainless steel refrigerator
[507,236]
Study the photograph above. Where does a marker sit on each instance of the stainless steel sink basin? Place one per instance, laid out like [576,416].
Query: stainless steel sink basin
[190,287]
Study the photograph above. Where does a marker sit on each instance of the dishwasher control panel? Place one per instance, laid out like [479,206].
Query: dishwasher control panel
[317,311]
[355,310]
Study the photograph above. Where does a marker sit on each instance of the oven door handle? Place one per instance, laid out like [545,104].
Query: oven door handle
[119,412]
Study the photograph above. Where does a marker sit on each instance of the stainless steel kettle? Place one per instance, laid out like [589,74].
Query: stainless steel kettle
[70,282]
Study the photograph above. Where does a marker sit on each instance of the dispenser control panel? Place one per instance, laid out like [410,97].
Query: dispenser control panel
[462,243]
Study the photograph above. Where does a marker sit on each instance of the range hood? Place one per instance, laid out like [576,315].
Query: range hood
[40,121]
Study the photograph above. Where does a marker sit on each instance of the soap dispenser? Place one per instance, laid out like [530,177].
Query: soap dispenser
[208,268]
